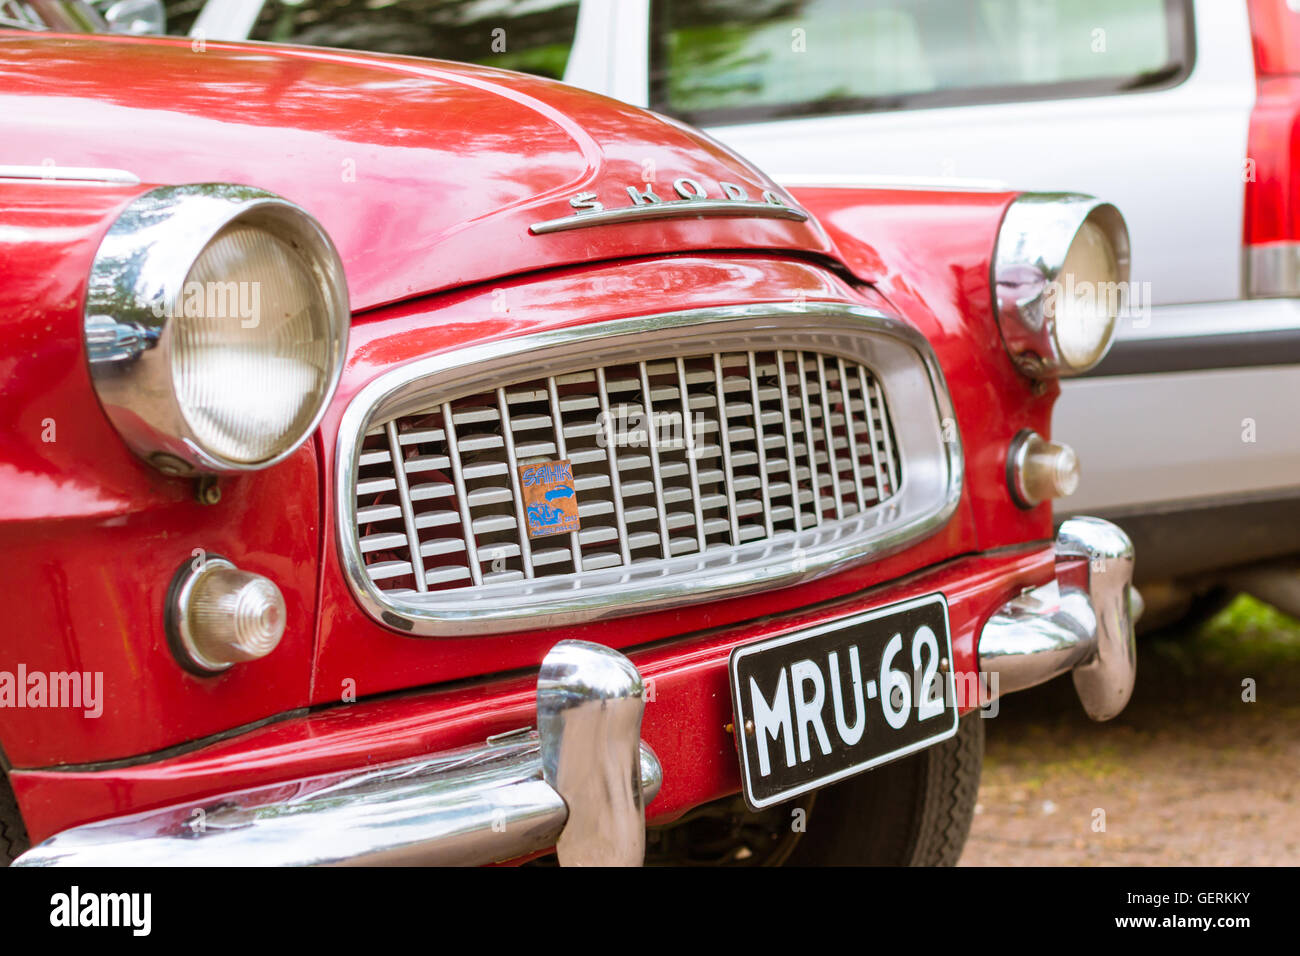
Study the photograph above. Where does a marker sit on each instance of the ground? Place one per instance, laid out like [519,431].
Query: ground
[1201,769]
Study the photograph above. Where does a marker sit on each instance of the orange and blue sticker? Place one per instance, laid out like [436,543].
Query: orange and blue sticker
[550,501]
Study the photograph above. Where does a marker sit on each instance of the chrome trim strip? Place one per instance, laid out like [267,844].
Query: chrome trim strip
[868,402]
[1197,320]
[84,174]
[724,438]
[1049,630]
[561,448]
[897,352]
[665,545]
[512,459]
[408,512]
[789,438]
[611,455]
[670,209]
[847,401]
[828,436]
[885,440]
[462,499]
[483,804]
[809,447]
[1271,271]
[760,443]
[1203,353]
[692,466]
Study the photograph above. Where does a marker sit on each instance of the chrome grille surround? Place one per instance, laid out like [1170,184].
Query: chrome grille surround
[926,468]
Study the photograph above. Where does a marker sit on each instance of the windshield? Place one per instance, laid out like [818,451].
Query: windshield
[533,36]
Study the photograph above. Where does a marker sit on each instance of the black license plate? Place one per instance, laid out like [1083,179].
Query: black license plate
[828,702]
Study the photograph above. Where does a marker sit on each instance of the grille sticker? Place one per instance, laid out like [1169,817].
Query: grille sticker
[550,501]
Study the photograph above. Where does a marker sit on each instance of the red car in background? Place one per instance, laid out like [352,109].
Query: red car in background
[411,462]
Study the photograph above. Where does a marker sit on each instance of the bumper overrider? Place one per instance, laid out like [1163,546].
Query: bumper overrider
[1080,622]
[581,781]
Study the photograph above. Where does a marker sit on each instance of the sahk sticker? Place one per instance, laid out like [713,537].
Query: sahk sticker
[550,501]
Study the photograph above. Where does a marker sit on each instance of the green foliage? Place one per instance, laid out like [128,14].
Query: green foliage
[1251,629]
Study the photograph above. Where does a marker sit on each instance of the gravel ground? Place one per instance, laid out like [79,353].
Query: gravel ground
[1189,774]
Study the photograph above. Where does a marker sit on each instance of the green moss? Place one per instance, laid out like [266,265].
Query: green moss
[1251,630]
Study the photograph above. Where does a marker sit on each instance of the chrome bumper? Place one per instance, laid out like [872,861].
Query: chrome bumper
[579,783]
[1084,626]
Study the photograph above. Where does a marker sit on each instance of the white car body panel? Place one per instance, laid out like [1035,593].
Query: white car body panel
[1180,436]
[1190,139]
[1185,436]
[1172,160]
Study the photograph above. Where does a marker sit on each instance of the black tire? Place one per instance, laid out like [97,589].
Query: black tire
[13,835]
[914,812]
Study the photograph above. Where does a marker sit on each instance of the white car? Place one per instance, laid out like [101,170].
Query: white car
[1178,111]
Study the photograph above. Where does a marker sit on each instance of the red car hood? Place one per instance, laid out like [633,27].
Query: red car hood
[426,174]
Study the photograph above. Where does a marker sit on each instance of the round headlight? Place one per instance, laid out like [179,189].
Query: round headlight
[1060,277]
[216,325]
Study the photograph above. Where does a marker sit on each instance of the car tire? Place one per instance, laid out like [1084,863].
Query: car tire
[913,812]
[13,835]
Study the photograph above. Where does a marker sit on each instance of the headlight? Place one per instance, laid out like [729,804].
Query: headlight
[1060,277]
[216,325]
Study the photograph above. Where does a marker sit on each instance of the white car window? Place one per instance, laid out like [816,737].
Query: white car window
[718,61]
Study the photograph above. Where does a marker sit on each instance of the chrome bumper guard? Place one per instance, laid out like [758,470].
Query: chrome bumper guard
[1085,628]
[579,783]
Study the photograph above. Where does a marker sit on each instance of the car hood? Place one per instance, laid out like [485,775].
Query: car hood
[427,175]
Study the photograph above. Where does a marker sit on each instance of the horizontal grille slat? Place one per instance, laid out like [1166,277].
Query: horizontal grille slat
[710,451]
[374,513]
[417,436]
[382,570]
[382,542]
[435,519]
[374,486]
[490,523]
[445,575]
[425,463]
[475,416]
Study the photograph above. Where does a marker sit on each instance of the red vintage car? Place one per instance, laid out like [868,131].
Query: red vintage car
[411,462]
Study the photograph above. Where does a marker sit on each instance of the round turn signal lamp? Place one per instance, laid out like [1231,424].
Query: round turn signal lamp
[1039,470]
[219,616]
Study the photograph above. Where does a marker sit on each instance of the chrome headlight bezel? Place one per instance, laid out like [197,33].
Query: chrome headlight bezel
[1034,239]
[136,286]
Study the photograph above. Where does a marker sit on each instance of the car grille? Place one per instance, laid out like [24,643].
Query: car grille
[668,458]
[690,457]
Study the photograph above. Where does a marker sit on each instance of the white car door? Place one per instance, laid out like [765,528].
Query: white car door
[1171,158]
